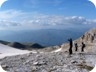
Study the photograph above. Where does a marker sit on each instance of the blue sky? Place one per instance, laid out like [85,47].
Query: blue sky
[53,7]
[34,11]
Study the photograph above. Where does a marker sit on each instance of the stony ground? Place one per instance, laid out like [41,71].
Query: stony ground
[50,62]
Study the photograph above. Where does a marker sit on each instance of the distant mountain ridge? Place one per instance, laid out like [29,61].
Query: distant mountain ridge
[23,46]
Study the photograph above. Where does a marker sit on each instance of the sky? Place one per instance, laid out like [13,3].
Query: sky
[46,13]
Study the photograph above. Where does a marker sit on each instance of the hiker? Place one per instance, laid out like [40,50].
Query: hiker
[83,46]
[76,47]
[71,45]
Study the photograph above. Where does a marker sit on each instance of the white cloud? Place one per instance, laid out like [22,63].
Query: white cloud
[5,23]
[9,14]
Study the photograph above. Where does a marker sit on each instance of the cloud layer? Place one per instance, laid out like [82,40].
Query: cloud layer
[13,18]
[46,20]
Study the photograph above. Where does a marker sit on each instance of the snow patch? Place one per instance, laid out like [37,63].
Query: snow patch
[1,69]
[10,51]
[58,50]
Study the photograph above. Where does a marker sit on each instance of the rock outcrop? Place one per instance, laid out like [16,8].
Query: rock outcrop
[88,37]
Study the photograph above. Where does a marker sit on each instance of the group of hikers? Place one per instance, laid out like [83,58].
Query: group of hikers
[76,46]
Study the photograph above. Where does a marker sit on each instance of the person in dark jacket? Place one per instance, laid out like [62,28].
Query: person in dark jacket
[83,46]
[76,47]
[71,45]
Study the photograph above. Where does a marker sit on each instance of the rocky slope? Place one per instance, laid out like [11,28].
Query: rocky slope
[89,39]
[56,60]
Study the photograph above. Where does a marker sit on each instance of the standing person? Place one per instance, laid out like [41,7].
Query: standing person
[76,47]
[71,45]
[83,46]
